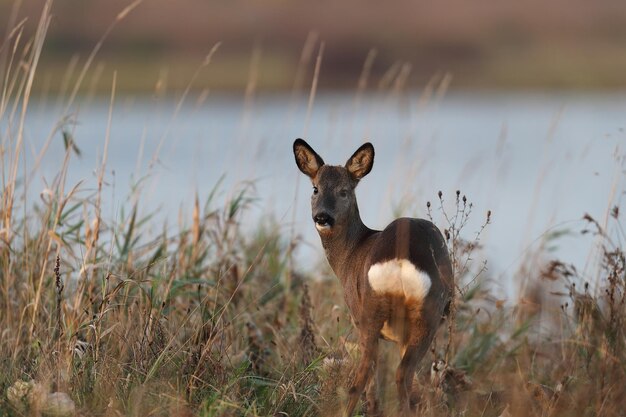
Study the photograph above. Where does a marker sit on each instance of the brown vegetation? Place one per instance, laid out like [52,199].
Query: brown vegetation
[483,44]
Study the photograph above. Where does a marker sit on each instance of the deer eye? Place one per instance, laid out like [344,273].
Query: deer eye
[343,193]
[315,190]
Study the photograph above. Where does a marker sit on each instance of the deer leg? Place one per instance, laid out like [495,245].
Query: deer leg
[371,395]
[411,356]
[369,354]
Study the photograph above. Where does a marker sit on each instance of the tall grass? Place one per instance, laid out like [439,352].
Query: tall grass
[211,319]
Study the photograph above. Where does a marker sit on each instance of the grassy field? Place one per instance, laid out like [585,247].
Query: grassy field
[210,319]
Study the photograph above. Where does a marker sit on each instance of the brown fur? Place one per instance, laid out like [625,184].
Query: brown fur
[352,248]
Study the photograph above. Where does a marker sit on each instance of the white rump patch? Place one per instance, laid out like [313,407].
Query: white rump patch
[399,277]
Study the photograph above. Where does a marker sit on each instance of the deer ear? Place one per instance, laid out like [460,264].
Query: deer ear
[308,161]
[361,162]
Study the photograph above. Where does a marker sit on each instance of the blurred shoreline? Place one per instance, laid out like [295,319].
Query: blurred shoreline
[272,46]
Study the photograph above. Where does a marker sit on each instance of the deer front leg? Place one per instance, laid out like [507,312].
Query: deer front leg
[367,364]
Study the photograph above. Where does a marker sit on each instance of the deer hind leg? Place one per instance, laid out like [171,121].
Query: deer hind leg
[367,364]
[411,356]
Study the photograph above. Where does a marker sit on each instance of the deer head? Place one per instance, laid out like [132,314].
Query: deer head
[333,203]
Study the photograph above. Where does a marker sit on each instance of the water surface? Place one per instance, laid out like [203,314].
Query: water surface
[538,162]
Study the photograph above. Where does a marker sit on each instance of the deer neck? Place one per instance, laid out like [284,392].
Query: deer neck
[347,246]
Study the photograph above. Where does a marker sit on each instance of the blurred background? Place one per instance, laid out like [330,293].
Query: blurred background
[484,44]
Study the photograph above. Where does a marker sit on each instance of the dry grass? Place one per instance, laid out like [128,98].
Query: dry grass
[214,320]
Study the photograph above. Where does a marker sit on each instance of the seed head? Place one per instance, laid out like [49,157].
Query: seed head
[615,212]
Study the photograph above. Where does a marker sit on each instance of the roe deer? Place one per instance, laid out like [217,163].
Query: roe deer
[397,282]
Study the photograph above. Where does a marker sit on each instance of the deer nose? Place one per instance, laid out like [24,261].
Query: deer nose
[323,219]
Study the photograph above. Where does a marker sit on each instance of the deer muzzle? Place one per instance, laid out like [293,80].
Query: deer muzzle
[323,221]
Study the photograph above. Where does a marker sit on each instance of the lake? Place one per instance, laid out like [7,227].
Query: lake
[539,162]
